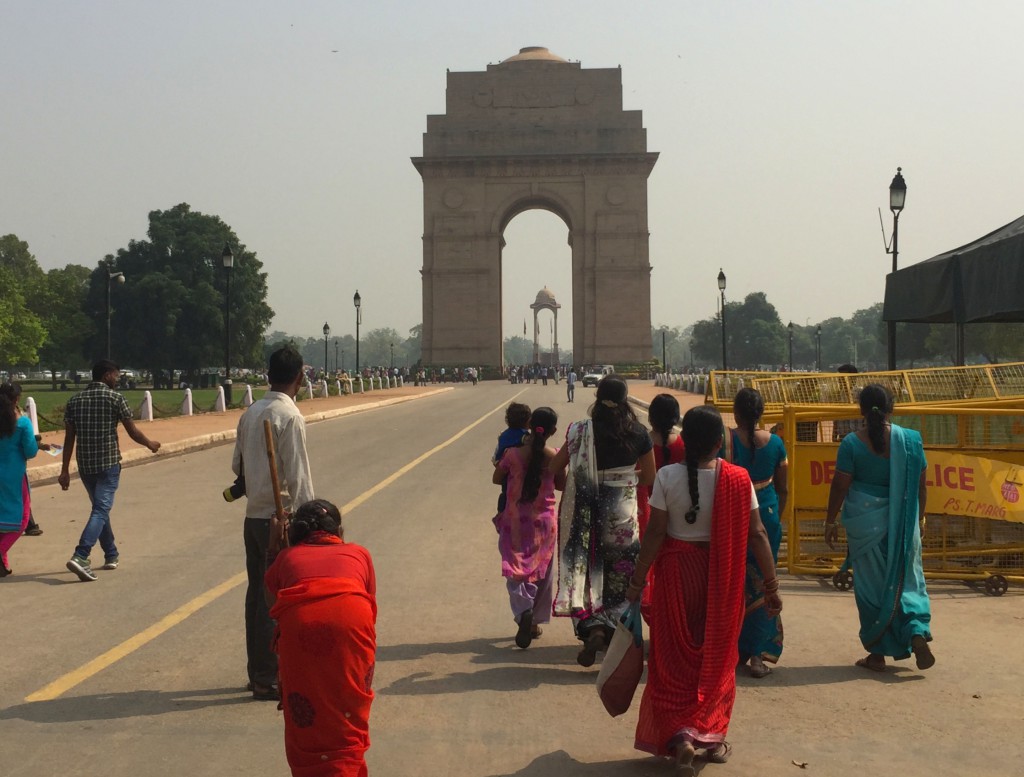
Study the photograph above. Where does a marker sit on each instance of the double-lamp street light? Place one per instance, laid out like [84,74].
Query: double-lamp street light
[721,288]
[358,302]
[897,198]
[110,280]
[228,259]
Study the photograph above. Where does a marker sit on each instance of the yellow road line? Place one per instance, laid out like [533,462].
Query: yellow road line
[78,676]
[419,460]
[75,677]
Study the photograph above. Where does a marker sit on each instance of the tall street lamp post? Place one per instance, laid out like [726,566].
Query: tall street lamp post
[228,259]
[817,352]
[327,333]
[358,302]
[392,356]
[110,280]
[790,346]
[721,288]
[691,356]
[897,198]
[335,354]
[664,359]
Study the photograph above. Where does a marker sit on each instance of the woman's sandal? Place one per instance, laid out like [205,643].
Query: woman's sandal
[759,670]
[593,644]
[874,666]
[683,754]
[923,653]
[720,754]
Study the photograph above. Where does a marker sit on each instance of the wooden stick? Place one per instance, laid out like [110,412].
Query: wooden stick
[277,541]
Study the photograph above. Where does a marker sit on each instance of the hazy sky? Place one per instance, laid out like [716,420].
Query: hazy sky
[779,124]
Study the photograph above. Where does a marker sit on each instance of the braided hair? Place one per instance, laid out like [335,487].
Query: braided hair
[614,420]
[702,434]
[542,425]
[748,407]
[316,515]
[663,414]
[875,404]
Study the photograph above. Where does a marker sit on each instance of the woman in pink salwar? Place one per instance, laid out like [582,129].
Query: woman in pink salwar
[528,526]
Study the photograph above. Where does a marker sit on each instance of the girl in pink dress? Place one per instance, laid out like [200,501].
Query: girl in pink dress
[528,526]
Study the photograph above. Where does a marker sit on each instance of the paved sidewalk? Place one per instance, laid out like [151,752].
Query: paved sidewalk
[181,434]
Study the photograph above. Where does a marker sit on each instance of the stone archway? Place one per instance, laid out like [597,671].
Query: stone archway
[535,131]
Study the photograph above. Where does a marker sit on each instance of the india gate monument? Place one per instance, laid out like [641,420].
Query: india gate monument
[535,131]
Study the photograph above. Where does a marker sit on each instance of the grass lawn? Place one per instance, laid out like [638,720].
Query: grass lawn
[166,402]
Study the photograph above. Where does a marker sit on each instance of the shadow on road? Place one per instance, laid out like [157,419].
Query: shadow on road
[500,678]
[496,650]
[561,764]
[110,706]
[792,676]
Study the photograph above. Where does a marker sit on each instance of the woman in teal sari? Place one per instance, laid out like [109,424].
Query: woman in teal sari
[763,455]
[880,486]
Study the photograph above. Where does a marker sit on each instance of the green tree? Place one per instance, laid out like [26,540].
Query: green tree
[169,313]
[21,282]
[61,308]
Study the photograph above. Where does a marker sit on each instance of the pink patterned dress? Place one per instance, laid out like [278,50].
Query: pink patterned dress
[527,533]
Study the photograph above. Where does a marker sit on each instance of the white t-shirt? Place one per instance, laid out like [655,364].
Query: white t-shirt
[672,494]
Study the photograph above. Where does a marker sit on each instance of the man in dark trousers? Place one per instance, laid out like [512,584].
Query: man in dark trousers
[250,458]
[91,420]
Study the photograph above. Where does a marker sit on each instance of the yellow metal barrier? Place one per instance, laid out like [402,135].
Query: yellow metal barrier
[975,508]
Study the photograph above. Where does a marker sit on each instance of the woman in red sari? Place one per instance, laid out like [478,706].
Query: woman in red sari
[703,516]
[322,592]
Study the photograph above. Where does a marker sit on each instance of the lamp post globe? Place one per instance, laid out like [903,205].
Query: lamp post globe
[357,301]
[327,333]
[111,276]
[897,199]
[721,289]
[790,327]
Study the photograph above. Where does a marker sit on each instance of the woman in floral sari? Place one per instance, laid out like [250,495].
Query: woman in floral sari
[608,456]
[704,516]
[322,592]
[880,486]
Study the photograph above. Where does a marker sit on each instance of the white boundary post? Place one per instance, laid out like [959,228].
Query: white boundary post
[33,414]
[220,405]
[186,403]
[247,399]
[146,411]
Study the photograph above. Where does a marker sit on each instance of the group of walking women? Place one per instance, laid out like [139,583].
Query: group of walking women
[690,526]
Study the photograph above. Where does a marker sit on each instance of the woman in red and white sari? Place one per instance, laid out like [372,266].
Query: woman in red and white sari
[703,516]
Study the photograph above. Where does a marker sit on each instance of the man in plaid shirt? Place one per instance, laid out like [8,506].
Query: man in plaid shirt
[91,419]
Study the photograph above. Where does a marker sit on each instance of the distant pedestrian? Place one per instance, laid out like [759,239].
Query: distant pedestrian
[289,433]
[91,420]
[570,384]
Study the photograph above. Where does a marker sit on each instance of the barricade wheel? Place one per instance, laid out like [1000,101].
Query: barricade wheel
[996,585]
[843,581]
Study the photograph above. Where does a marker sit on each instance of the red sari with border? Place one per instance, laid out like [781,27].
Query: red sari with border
[697,612]
[326,643]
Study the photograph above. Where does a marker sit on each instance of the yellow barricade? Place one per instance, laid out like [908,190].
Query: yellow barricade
[975,477]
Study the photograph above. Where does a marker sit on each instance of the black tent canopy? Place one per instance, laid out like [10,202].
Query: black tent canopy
[982,281]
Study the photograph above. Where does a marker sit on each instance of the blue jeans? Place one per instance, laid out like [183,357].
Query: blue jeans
[101,487]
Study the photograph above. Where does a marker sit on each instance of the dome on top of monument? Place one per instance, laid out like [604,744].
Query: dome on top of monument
[545,296]
[534,54]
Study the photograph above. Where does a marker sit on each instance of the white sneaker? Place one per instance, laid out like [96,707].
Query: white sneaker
[111,564]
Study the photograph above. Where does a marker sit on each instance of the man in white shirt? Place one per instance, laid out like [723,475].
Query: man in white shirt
[250,458]
[570,384]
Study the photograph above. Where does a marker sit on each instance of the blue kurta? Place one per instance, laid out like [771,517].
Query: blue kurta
[14,452]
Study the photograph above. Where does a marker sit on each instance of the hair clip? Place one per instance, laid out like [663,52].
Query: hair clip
[539,430]
[609,403]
